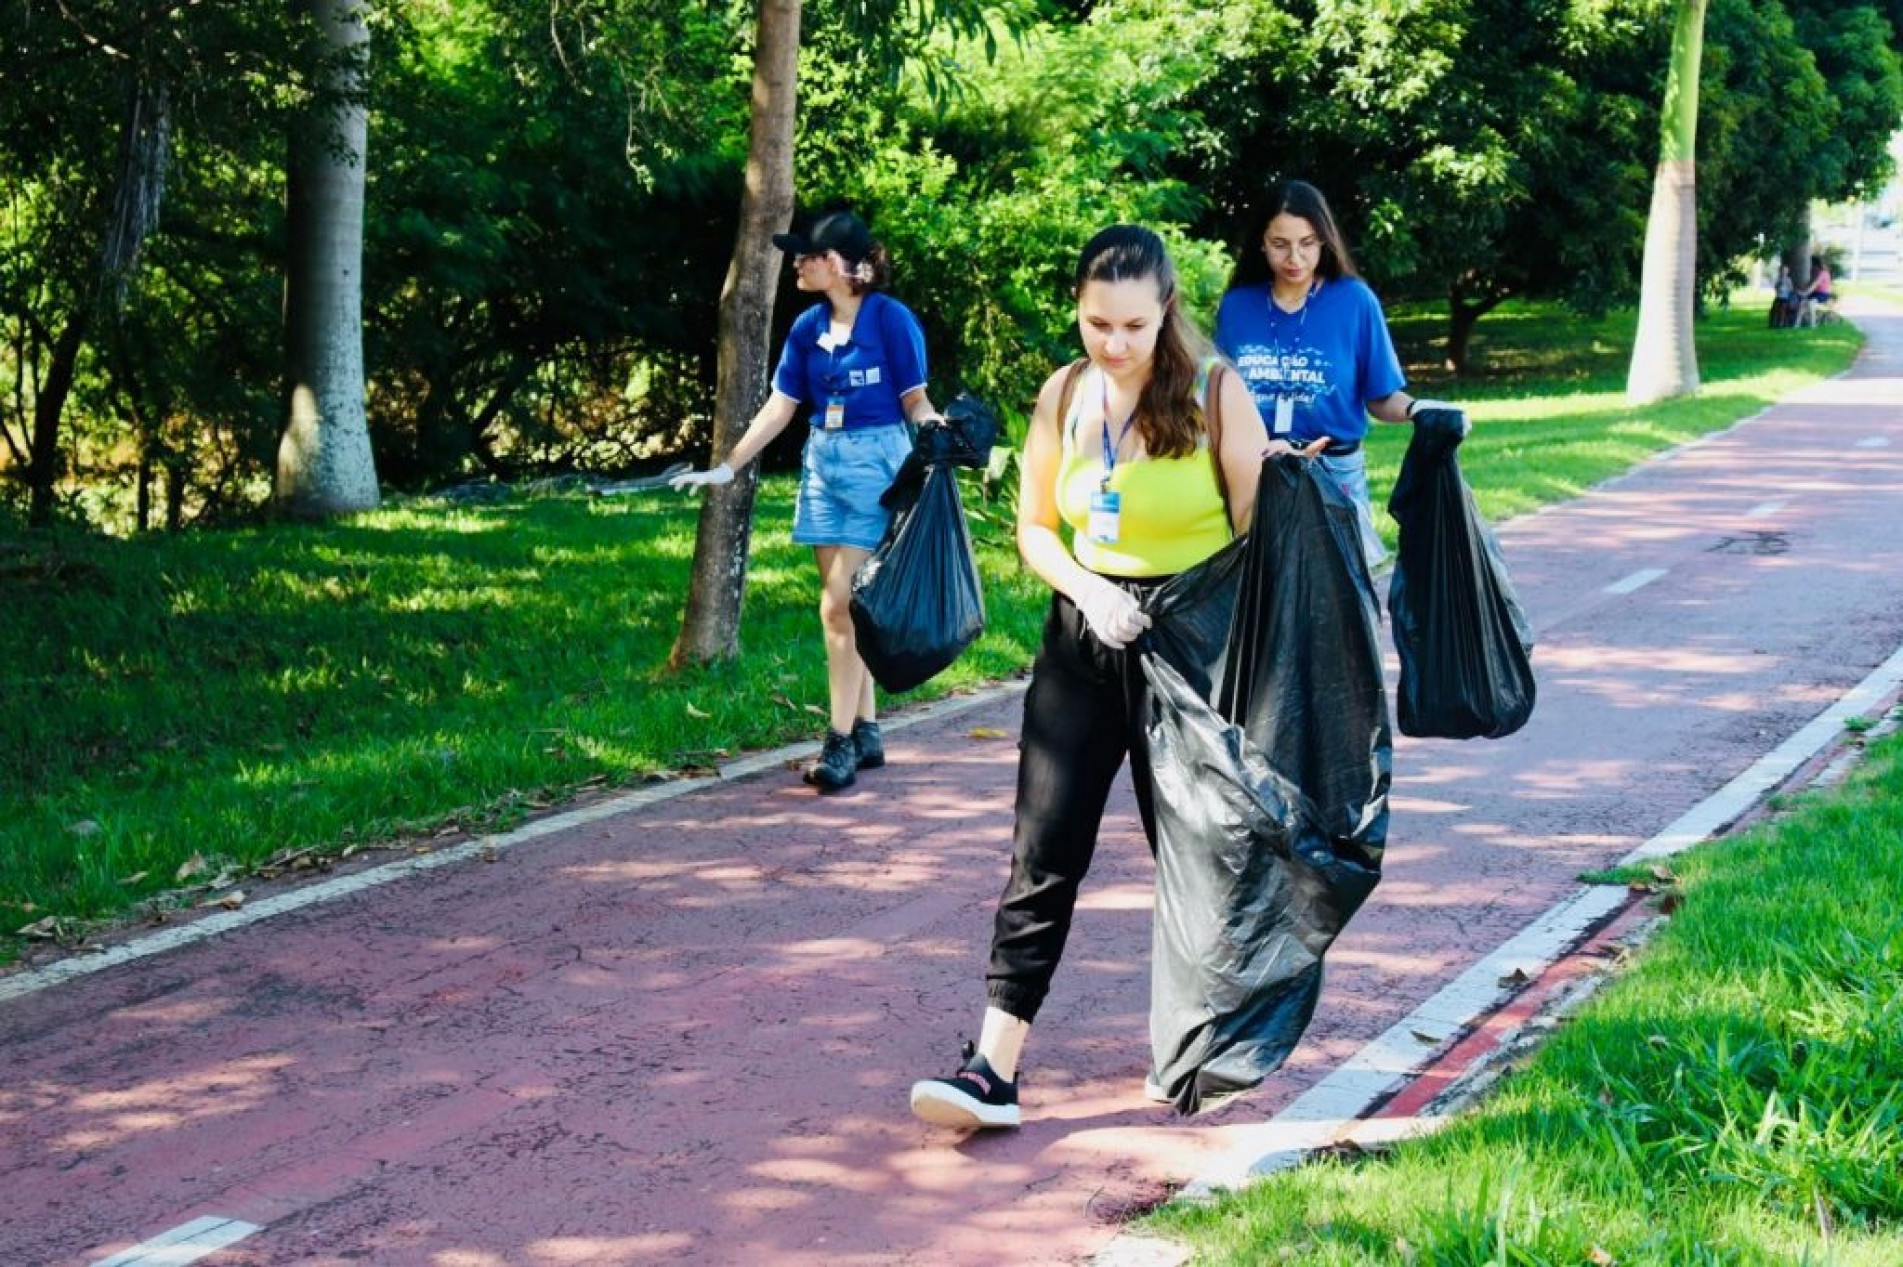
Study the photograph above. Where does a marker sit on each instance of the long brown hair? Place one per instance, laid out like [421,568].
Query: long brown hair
[1169,413]
[1295,198]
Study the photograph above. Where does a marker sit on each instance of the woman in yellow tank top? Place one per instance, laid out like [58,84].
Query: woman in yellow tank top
[1119,459]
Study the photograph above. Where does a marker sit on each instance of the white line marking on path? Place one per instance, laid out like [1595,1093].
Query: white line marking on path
[1764,510]
[310,895]
[1638,580]
[186,1243]
[1319,1115]
[1873,442]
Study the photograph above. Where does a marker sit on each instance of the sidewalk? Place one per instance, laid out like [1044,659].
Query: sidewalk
[681,1028]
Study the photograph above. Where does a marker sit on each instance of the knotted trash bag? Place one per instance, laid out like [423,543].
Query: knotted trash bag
[917,602]
[1463,640]
[964,438]
[1270,763]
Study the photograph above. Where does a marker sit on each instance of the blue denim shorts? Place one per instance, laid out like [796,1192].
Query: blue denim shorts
[1350,475]
[842,474]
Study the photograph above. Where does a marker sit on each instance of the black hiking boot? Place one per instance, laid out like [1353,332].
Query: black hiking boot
[837,762]
[975,1096]
[865,736]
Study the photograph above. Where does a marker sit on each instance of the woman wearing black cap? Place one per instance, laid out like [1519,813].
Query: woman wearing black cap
[858,361]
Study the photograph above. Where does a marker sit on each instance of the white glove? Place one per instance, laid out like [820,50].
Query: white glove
[1421,402]
[1112,614]
[712,477]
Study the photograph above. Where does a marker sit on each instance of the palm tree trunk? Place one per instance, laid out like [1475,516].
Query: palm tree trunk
[1664,349]
[325,466]
[710,627]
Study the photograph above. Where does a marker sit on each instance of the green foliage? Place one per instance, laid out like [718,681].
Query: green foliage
[553,194]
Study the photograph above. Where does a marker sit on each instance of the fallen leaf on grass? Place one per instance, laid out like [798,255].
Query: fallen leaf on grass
[135,878]
[194,865]
[47,929]
[816,710]
[1664,874]
[989,732]
[1599,1257]
[84,827]
[227,901]
[697,714]
[1658,1040]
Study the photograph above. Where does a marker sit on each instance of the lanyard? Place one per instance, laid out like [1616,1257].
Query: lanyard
[1109,449]
[1277,316]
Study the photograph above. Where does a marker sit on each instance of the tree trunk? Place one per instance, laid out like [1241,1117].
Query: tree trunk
[1664,349]
[1462,315]
[325,466]
[1797,255]
[138,189]
[49,401]
[710,627]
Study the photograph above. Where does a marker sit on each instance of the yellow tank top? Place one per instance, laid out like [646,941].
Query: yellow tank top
[1171,515]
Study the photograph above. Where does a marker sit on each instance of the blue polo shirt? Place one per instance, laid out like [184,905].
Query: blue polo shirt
[883,359]
[1330,359]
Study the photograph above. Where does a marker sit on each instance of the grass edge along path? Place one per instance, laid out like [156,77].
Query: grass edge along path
[181,713]
[1733,1095]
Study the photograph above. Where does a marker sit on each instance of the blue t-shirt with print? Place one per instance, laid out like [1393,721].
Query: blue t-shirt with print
[1330,358]
[882,360]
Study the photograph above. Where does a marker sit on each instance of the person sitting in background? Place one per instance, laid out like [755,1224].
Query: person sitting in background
[1816,297]
[1784,306]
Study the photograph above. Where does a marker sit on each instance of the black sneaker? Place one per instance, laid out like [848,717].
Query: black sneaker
[865,736]
[974,1096]
[837,761]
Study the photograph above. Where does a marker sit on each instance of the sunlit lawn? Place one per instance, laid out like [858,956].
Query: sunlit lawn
[232,695]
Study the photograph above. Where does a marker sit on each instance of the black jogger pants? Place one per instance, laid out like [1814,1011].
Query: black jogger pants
[1083,713]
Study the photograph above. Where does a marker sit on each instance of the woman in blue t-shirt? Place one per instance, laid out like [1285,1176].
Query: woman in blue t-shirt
[1310,340]
[857,361]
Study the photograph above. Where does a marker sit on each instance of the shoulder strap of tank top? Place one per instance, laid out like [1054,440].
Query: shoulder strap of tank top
[1211,372]
[1072,373]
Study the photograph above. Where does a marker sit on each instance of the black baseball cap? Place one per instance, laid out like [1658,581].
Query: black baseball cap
[840,231]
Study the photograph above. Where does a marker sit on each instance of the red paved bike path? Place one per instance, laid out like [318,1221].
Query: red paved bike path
[685,1032]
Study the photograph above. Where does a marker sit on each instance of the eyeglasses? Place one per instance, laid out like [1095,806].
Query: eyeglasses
[1307,246]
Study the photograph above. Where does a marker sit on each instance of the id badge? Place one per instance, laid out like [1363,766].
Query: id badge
[1284,414]
[1106,507]
[835,413]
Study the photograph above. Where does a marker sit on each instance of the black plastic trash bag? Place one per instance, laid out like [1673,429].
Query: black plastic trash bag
[1463,641]
[1272,801]
[1244,916]
[917,602]
[963,439]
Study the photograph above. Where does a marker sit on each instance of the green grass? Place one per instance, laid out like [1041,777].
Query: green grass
[239,694]
[1735,1097]
[231,696]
